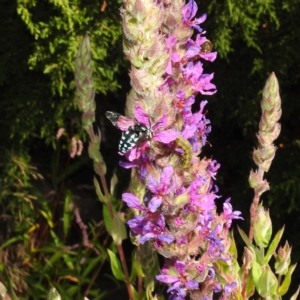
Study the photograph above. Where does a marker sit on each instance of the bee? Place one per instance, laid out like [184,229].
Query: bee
[207,47]
[132,132]
[186,147]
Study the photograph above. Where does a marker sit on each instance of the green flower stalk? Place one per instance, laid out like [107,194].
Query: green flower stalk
[85,84]
[256,273]
[85,99]
[269,129]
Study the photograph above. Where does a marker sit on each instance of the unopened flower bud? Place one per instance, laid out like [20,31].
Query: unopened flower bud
[3,290]
[271,96]
[248,258]
[254,179]
[53,295]
[283,259]
[59,133]
[263,156]
[262,227]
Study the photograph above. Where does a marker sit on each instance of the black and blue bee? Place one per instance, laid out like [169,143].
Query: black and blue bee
[133,133]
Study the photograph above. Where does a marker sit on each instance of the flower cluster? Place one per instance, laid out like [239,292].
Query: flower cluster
[177,213]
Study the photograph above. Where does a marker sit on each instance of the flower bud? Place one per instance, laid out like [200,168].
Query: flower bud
[3,290]
[248,258]
[254,179]
[84,79]
[53,295]
[262,227]
[283,259]
[271,96]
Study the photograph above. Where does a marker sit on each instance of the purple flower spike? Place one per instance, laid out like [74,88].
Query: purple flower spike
[174,192]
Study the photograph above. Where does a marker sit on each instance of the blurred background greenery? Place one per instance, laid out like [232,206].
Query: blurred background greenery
[42,243]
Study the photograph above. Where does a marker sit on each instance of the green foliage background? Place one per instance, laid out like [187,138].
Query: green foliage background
[38,44]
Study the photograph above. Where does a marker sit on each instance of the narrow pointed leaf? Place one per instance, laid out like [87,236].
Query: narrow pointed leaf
[287,281]
[135,293]
[248,243]
[99,193]
[273,246]
[232,248]
[116,266]
[294,297]
[118,230]
[67,215]
[256,272]
[250,287]
[114,226]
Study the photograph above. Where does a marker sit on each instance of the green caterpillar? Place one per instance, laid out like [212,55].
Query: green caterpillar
[185,145]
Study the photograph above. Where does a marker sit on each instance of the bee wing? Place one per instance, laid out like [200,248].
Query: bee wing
[125,123]
[113,117]
[121,122]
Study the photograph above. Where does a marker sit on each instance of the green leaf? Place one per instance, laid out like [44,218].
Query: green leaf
[258,255]
[47,216]
[53,259]
[113,183]
[256,271]
[135,293]
[267,284]
[11,241]
[287,281]
[72,290]
[232,248]
[116,266]
[294,297]
[250,286]
[67,214]
[118,230]
[68,260]
[114,226]
[56,239]
[137,269]
[107,219]
[100,195]
[91,265]
[273,246]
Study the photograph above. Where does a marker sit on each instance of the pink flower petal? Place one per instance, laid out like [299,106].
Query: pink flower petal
[141,116]
[161,123]
[209,56]
[166,136]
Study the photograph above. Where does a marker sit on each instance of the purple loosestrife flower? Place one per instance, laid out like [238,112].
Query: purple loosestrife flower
[150,225]
[228,214]
[176,212]
[188,13]
[178,278]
